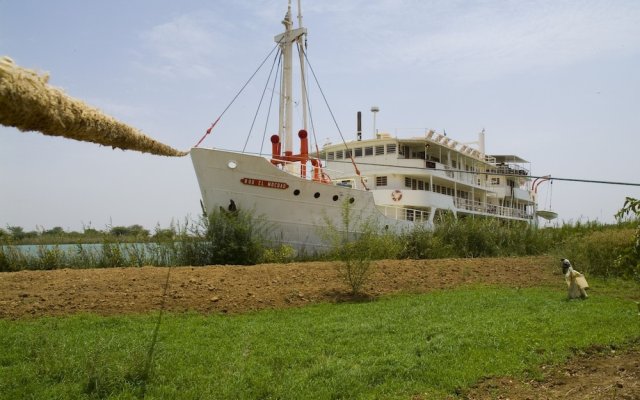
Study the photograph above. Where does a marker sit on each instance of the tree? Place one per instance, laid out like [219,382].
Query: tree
[630,206]
[138,231]
[55,231]
[17,232]
[631,259]
[134,230]
[119,231]
[164,234]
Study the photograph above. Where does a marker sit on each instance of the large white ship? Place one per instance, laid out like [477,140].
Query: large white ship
[396,182]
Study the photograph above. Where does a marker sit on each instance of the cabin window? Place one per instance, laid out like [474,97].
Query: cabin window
[379,150]
[381,181]
[391,148]
[495,181]
[420,185]
[454,164]
[368,151]
[407,182]
[339,155]
[358,152]
[330,156]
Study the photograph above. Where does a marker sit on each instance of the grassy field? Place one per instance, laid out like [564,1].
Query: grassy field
[435,344]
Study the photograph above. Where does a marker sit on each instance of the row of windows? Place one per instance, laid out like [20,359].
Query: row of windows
[362,152]
[417,184]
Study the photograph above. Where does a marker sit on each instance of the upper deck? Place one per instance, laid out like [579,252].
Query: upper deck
[431,155]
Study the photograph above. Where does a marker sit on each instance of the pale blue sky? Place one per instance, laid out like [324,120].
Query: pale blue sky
[555,82]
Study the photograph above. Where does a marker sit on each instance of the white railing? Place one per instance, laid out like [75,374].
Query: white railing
[404,214]
[492,209]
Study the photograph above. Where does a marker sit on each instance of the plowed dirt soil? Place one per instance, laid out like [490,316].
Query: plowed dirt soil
[598,374]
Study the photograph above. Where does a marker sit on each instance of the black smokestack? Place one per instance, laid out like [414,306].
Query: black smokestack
[359,126]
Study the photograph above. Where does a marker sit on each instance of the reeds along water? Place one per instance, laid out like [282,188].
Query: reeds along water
[29,103]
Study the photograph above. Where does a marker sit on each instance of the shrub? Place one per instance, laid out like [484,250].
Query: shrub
[355,268]
[281,254]
[222,238]
[12,259]
[50,257]
[355,243]
[111,256]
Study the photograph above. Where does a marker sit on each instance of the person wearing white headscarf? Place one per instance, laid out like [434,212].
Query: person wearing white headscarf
[576,282]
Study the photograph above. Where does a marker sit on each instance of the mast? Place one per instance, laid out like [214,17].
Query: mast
[285,41]
[303,80]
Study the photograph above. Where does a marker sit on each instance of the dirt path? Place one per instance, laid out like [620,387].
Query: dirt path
[233,289]
[598,374]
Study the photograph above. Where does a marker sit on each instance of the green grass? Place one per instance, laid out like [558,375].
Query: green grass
[396,347]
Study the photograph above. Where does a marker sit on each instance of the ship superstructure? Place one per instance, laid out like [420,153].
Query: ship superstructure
[392,181]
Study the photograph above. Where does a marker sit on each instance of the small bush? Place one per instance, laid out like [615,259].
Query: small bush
[112,256]
[281,254]
[222,238]
[50,257]
[355,268]
[12,259]
[355,243]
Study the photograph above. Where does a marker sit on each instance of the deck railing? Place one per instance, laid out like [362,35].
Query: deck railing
[404,214]
[486,208]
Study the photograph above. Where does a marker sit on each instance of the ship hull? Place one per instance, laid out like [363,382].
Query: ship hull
[298,212]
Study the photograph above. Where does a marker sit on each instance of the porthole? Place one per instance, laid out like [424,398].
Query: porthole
[232,164]
[296,192]
[335,197]
[316,194]
[351,200]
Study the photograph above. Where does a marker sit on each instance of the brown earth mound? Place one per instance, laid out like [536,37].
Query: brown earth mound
[234,289]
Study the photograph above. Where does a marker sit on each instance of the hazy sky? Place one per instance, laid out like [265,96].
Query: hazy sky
[555,82]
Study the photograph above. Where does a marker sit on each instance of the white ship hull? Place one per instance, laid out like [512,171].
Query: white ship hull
[297,211]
